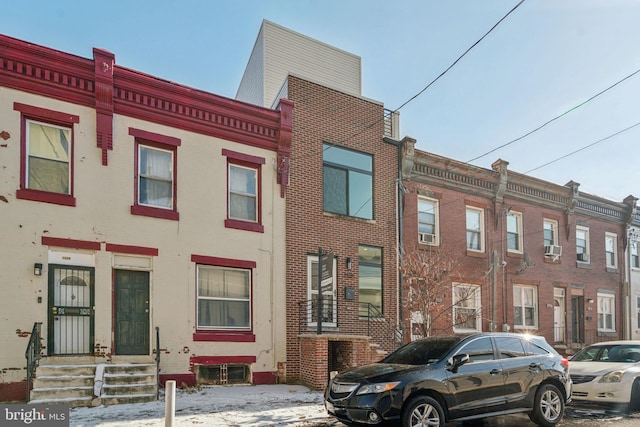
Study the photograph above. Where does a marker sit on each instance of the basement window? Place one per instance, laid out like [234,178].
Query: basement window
[222,374]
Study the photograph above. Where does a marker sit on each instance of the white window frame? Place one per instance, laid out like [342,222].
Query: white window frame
[311,293]
[521,289]
[471,302]
[436,219]
[480,231]
[611,249]
[635,256]
[518,232]
[232,192]
[550,224]
[68,162]
[638,311]
[156,178]
[225,298]
[587,252]
[606,307]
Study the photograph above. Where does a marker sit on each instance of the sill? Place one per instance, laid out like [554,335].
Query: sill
[155,212]
[244,225]
[581,264]
[476,254]
[46,197]
[218,336]
[550,260]
[529,328]
[612,269]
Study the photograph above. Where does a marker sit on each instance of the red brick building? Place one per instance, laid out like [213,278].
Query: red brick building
[539,257]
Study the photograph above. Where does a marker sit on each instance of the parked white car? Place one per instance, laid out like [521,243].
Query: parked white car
[607,374]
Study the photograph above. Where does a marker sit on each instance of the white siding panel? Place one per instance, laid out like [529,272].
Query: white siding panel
[251,87]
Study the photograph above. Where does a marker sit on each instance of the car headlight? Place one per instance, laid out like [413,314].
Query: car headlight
[377,388]
[612,377]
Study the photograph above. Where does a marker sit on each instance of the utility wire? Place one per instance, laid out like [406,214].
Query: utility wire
[555,118]
[369,126]
[583,148]
[459,58]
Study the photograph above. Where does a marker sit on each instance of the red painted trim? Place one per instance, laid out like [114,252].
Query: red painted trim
[155,212]
[218,360]
[222,262]
[243,225]
[70,243]
[155,137]
[54,117]
[134,250]
[45,197]
[243,157]
[182,380]
[215,336]
[260,378]
[13,392]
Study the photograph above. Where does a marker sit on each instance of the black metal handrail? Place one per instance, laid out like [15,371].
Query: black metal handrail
[371,323]
[32,354]
[157,362]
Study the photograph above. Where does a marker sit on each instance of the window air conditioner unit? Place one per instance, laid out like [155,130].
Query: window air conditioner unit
[427,238]
[552,250]
[583,257]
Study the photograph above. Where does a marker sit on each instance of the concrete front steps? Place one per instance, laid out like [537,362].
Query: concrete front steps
[75,381]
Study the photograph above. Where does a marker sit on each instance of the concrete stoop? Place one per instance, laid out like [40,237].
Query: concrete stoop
[93,384]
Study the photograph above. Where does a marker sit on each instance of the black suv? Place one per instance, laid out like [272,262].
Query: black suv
[441,379]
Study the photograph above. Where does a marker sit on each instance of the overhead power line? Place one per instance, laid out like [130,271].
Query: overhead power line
[425,88]
[555,118]
[460,57]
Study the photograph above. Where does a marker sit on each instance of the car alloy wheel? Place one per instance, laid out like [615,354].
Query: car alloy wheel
[423,411]
[549,406]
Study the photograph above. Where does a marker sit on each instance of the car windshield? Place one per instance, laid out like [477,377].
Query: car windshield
[608,353]
[423,352]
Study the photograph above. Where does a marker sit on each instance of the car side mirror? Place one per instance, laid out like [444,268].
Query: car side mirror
[458,360]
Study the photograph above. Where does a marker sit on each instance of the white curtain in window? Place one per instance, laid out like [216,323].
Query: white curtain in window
[156,175]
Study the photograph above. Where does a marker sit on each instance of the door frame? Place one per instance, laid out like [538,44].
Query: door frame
[115,311]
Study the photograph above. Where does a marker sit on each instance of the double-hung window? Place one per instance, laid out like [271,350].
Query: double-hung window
[466,308]
[606,312]
[475,229]
[347,180]
[244,183]
[46,144]
[224,298]
[155,174]
[611,249]
[514,232]
[550,232]
[525,306]
[635,258]
[427,221]
[582,244]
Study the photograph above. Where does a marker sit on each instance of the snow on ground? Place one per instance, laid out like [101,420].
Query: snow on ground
[246,406]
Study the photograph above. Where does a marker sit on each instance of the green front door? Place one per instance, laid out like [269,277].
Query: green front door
[132,312]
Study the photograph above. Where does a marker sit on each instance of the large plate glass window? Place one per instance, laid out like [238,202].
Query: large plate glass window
[370,280]
[347,182]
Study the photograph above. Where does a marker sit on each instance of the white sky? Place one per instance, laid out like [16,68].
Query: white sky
[546,58]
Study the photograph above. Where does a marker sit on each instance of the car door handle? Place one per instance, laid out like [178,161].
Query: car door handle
[535,366]
[494,371]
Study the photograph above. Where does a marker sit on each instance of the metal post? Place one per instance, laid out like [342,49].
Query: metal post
[319,320]
[170,403]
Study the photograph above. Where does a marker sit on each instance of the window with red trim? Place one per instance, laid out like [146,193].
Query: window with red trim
[224,298]
[155,180]
[46,154]
[244,188]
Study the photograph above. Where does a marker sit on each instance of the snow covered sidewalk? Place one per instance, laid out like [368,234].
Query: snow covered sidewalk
[246,406]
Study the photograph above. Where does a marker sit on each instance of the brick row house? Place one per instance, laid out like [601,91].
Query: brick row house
[142,223]
[536,257]
[341,200]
